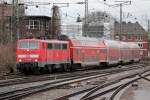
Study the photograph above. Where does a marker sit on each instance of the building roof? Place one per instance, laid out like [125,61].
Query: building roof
[40,11]
[129,28]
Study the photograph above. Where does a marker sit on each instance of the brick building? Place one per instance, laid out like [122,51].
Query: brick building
[132,32]
[35,26]
[30,25]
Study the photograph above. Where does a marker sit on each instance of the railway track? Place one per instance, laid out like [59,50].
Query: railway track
[7,76]
[27,79]
[19,93]
[112,87]
[123,86]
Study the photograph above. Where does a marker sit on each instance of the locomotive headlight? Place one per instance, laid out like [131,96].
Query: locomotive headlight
[36,60]
[20,60]
[34,56]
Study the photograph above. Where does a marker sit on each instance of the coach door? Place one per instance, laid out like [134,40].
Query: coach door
[57,54]
[103,54]
[49,53]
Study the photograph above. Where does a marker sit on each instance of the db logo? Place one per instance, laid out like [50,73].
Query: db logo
[28,56]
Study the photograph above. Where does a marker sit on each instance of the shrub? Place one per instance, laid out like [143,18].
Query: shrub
[7,57]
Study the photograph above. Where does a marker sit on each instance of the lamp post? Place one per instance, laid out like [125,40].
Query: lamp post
[120,4]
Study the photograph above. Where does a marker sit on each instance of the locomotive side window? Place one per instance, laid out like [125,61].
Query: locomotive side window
[64,46]
[49,46]
[57,46]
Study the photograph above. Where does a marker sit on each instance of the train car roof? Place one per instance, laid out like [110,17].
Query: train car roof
[124,45]
[134,45]
[86,42]
[112,43]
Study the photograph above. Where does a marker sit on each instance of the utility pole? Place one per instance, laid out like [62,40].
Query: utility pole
[120,21]
[2,18]
[15,20]
[119,4]
[148,25]
[86,17]
[3,35]
[149,34]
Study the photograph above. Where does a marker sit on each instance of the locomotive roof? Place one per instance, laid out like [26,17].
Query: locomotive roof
[55,41]
[49,41]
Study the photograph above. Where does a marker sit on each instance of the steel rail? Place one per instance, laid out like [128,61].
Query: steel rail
[92,89]
[29,79]
[116,89]
[12,95]
[112,97]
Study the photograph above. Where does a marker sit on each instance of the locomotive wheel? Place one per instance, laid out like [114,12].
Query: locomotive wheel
[50,69]
[36,71]
[65,67]
[43,70]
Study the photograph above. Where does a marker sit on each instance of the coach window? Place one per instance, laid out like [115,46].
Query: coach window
[33,24]
[49,46]
[64,46]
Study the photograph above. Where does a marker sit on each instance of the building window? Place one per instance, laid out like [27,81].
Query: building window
[136,37]
[41,25]
[129,37]
[123,37]
[140,45]
[117,37]
[47,25]
[139,37]
[33,24]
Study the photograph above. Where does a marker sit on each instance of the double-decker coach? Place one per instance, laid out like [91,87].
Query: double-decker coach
[113,51]
[87,51]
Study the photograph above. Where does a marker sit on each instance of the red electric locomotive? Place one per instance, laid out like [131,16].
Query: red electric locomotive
[35,55]
[40,55]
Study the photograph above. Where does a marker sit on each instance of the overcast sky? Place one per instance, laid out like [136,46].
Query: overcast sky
[139,10]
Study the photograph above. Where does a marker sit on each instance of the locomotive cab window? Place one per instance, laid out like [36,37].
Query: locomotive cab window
[28,45]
